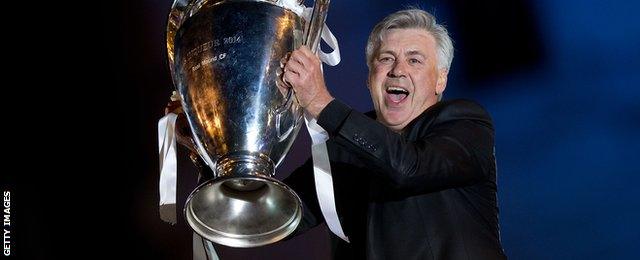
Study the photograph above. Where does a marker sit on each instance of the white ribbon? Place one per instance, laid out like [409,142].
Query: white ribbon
[168,164]
[332,58]
[322,176]
[293,6]
[321,165]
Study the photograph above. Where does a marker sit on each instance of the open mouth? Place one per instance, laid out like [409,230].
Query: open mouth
[397,94]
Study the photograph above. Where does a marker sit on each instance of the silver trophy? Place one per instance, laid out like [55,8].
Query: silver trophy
[225,59]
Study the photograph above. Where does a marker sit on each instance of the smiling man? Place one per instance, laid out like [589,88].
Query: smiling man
[417,178]
[405,77]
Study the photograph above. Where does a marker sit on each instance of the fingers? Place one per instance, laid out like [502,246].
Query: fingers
[307,52]
[305,57]
[173,107]
[302,72]
[300,66]
[183,132]
[187,142]
[294,68]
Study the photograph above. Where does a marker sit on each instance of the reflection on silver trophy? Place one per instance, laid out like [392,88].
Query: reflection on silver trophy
[225,59]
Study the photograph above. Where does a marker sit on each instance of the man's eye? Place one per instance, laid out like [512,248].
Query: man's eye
[386,59]
[415,61]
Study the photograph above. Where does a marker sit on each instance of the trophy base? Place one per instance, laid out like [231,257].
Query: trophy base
[244,206]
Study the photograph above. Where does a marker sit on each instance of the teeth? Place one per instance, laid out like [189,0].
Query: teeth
[397,89]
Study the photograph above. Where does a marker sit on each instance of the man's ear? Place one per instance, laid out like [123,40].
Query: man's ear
[442,81]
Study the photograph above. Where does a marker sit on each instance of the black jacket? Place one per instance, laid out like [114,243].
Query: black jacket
[428,193]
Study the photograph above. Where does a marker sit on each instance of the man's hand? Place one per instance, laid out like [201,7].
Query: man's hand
[183,133]
[304,74]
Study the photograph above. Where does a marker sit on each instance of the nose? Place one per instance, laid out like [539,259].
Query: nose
[398,70]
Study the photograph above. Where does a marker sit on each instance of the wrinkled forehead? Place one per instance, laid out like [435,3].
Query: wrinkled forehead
[409,39]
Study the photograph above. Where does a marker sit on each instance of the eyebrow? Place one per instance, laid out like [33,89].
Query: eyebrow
[409,53]
[387,52]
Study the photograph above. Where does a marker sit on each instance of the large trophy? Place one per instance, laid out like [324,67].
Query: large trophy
[225,59]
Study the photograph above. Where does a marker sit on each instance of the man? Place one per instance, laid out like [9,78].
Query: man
[417,179]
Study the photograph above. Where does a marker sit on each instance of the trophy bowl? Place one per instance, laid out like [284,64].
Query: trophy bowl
[226,60]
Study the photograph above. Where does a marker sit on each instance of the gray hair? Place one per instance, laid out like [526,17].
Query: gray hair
[413,18]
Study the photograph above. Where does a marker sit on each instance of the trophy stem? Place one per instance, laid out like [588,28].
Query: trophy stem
[244,165]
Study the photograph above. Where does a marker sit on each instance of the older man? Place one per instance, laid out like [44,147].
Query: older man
[417,178]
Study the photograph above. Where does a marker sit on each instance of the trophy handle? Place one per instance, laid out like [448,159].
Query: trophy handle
[177,15]
[279,114]
[316,23]
[312,38]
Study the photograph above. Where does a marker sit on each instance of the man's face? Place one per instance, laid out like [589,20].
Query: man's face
[404,76]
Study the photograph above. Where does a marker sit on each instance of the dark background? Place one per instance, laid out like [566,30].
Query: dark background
[560,79]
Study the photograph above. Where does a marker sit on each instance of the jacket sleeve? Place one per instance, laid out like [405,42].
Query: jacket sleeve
[454,149]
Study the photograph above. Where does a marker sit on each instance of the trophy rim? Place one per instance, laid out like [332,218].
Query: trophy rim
[239,240]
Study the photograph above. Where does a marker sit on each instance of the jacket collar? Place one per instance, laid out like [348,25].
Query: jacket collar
[429,113]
